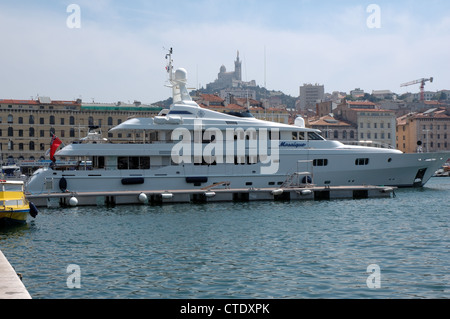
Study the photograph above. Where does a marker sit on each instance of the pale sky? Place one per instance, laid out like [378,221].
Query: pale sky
[117,53]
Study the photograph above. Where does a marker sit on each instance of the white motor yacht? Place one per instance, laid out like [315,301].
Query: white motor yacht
[188,147]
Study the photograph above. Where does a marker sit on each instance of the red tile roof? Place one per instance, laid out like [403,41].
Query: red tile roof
[367,103]
[371,110]
[211,98]
[235,107]
[19,102]
[243,101]
[34,102]
[328,121]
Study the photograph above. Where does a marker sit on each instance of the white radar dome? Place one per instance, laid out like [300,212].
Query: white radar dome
[300,122]
[181,75]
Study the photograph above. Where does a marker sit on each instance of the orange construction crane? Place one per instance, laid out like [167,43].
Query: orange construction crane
[422,86]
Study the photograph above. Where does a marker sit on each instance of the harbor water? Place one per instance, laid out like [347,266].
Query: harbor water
[370,248]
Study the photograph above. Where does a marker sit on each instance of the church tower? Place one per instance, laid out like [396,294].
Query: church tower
[238,68]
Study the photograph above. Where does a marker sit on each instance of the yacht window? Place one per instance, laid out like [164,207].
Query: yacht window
[144,162]
[133,162]
[99,162]
[294,136]
[312,136]
[153,136]
[179,112]
[361,161]
[301,136]
[122,163]
[320,162]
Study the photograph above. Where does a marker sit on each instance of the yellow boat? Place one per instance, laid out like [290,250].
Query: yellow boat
[14,207]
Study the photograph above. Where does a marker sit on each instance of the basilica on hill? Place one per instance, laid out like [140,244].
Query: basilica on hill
[230,79]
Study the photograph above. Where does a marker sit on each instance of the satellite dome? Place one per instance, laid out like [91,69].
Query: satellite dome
[300,122]
[181,75]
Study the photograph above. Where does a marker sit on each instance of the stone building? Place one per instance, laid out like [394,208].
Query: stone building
[310,95]
[26,126]
[430,129]
[375,126]
[229,80]
[334,129]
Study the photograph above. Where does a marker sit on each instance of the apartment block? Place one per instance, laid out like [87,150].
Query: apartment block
[375,126]
[26,126]
[310,95]
[427,131]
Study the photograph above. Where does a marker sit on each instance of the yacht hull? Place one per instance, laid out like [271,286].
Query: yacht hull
[382,169]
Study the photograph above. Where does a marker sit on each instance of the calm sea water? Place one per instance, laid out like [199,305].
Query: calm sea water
[251,250]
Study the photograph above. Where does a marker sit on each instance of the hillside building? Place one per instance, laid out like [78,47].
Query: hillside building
[228,80]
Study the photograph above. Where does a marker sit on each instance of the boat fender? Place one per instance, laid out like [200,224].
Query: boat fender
[142,198]
[277,192]
[63,184]
[33,210]
[210,194]
[73,201]
[306,192]
[167,195]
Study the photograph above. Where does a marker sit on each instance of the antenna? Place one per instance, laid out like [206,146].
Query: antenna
[169,63]
[178,80]
[245,65]
[265,84]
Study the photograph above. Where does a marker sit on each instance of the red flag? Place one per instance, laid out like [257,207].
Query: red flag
[56,142]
